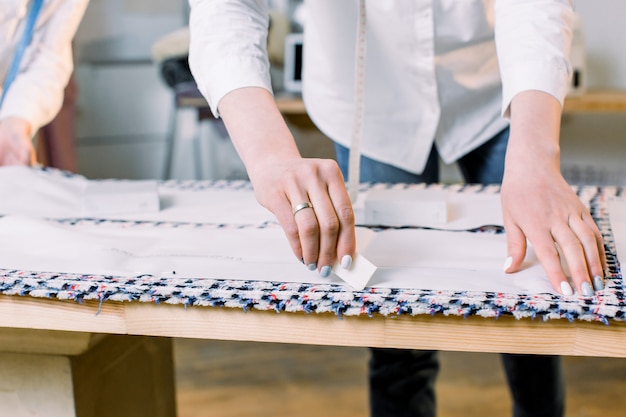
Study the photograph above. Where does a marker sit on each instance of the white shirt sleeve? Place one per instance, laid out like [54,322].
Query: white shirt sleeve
[533,40]
[228,48]
[36,94]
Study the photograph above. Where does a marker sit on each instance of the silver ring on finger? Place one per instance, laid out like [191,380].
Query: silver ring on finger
[301,206]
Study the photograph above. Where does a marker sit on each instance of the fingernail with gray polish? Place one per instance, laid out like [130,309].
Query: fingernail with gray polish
[312,266]
[566,289]
[325,271]
[598,283]
[586,289]
[346,262]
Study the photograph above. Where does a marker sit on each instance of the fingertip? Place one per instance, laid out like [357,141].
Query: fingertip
[516,248]
[586,289]
[346,245]
[566,288]
[598,283]
[325,271]
[346,262]
[507,263]
[513,263]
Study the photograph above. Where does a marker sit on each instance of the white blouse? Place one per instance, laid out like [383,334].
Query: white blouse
[437,71]
[36,94]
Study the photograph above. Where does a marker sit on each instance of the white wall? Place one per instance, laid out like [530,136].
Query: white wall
[605,37]
[593,146]
[125,29]
[124,107]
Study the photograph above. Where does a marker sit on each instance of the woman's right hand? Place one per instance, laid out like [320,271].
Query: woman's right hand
[318,235]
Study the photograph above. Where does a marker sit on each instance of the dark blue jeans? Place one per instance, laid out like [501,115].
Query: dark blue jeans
[402,382]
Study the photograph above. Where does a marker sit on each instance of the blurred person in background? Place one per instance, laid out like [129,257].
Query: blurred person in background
[35,68]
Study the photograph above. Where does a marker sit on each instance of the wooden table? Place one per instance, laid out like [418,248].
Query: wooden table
[117,367]
[471,334]
[63,358]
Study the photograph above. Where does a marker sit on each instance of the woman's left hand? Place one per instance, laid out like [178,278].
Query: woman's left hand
[15,143]
[539,206]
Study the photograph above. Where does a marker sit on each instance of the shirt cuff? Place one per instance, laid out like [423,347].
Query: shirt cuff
[550,77]
[28,104]
[232,72]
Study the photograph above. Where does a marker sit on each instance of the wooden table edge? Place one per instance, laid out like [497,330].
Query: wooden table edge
[453,333]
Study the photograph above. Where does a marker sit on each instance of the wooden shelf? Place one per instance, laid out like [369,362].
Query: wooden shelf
[595,101]
[290,105]
[589,102]
[286,105]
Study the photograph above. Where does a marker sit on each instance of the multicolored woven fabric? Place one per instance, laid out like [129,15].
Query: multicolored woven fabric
[341,300]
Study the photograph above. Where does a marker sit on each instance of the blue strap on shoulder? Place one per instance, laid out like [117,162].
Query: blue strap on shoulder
[23,43]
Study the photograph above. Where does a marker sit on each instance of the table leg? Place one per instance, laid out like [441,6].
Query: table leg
[125,376]
[35,385]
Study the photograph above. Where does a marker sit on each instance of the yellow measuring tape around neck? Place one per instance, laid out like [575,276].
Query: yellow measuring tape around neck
[354,163]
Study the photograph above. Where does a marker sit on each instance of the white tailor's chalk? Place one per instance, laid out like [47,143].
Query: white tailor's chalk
[359,273]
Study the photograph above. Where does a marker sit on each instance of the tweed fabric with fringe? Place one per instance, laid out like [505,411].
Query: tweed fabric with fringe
[608,304]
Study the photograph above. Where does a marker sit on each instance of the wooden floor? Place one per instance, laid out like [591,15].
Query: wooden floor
[228,379]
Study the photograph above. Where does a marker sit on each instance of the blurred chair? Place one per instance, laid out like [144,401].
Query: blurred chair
[171,53]
[186,96]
